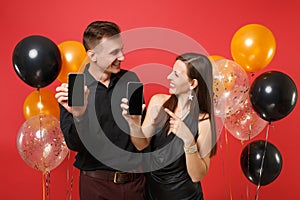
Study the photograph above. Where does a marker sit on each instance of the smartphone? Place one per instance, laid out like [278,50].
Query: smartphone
[76,83]
[135,92]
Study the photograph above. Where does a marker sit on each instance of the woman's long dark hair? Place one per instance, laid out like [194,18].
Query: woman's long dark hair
[198,67]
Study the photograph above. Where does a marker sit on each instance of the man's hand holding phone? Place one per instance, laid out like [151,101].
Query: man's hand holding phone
[73,96]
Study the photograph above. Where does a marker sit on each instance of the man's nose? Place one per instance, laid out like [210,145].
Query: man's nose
[121,56]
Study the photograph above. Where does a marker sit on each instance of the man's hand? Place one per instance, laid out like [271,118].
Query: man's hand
[62,98]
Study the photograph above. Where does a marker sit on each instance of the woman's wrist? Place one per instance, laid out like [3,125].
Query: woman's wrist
[189,142]
[136,130]
[190,149]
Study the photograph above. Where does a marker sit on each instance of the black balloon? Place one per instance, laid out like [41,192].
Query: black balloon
[251,162]
[37,61]
[273,95]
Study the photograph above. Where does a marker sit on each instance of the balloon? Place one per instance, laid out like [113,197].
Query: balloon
[215,57]
[245,124]
[253,47]
[73,57]
[252,157]
[231,87]
[37,61]
[273,95]
[40,102]
[41,144]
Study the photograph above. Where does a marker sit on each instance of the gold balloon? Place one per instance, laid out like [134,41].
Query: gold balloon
[218,88]
[215,57]
[73,57]
[41,102]
[253,47]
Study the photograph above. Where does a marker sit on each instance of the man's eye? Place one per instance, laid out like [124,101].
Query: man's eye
[114,52]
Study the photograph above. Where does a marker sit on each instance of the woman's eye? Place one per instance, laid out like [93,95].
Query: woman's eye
[176,74]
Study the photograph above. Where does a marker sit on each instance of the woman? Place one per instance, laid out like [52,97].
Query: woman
[180,125]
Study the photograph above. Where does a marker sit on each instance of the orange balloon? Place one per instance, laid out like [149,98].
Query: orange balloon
[253,47]
[41,102]
[73,58]
[218,88]
[226,74]
[215,57]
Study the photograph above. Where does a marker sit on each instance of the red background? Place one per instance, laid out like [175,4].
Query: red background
[211,23]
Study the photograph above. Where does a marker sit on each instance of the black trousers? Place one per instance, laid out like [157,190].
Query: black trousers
[97,188]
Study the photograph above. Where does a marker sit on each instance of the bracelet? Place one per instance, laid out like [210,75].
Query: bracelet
[191,149]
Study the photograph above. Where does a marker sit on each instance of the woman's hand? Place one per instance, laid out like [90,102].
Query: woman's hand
[178,127]
[131,119]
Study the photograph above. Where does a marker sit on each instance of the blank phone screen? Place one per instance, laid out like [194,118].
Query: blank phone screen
[135,97]
[76,89]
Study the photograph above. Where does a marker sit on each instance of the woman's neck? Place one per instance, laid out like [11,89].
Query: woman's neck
[183,106]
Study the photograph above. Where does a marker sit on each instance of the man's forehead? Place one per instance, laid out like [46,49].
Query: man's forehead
[110,42]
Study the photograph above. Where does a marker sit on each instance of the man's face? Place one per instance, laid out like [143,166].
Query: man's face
[109,54]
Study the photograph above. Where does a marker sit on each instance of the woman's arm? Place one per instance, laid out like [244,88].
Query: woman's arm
[198,162]
[141,134]
[197,153]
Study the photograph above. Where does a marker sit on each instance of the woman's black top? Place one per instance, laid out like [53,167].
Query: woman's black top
[171,179]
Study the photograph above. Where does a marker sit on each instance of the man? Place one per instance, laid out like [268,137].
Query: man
[95,141]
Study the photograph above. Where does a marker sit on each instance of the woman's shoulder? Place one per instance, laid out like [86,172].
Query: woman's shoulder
[203,117]
[159,98]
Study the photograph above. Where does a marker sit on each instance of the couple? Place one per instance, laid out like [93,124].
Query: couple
[182,122]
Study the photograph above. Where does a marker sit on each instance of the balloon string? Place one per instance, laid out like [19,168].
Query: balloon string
[69,179]
[223,164]
[223,167]
[46,185]
[40,101]
[248,163]
[262,162]
[241,175]
[229,165]
[43,185]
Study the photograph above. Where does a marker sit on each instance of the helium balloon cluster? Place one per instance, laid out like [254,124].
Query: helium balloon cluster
[247,108]
[38,62]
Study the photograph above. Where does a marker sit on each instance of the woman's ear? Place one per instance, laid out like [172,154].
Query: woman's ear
[92,56]
[194,83]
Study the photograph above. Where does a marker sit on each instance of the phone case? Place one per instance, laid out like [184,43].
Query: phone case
[135,92]
[76,83]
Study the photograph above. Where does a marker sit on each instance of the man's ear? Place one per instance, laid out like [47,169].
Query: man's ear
[92,56]
[194,83]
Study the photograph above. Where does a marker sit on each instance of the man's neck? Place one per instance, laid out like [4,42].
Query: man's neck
[101,76]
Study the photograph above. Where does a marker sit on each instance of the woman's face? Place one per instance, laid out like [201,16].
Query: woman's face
[179,81]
